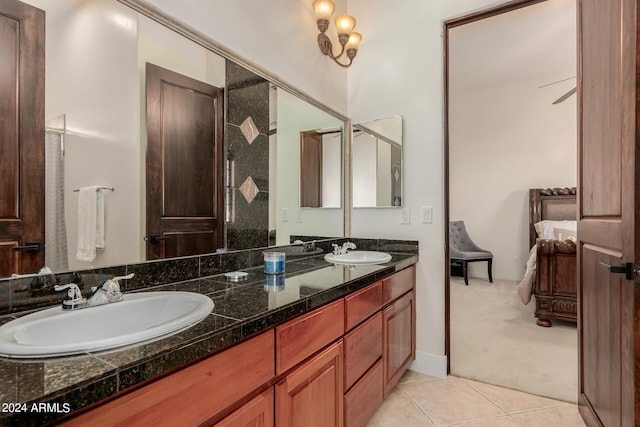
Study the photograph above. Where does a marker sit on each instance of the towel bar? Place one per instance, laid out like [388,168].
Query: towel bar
[99,188]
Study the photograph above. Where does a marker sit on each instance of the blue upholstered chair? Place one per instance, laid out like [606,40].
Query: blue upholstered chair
[462,250]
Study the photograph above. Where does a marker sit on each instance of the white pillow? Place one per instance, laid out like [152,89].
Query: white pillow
[545,229]
[565,234]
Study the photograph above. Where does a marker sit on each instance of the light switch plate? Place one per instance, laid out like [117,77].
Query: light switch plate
[427,214]
[406,216]
[298,215]
[284,214]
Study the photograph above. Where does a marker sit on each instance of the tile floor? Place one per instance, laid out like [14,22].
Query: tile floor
[421,400]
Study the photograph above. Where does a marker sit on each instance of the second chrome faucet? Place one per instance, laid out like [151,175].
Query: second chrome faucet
[341,250]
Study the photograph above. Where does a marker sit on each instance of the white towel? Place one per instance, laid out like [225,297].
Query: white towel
[90,223]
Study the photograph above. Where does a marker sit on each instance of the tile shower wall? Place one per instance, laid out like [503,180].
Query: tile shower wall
[247,151]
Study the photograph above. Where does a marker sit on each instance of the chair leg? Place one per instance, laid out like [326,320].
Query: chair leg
[490,263]
[465,273]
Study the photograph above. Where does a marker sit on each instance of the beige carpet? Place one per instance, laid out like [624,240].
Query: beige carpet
[495,339]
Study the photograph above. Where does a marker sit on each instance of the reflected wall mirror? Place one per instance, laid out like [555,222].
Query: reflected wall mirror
[95,119]
[377,163]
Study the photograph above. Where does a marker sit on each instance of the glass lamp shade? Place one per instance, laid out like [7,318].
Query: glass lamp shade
[345,24]
[323,9]
[354,41]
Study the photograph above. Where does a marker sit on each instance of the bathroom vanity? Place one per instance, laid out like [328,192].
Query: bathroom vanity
[322,342]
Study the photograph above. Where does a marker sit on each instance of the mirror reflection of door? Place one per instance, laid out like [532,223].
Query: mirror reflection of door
[505,135]
[22,39]
[310,169]
[320,168]
[184,165]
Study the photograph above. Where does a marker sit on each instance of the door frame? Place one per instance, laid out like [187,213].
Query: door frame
[447,25]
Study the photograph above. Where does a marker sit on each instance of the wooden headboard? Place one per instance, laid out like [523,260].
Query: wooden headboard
[552,204]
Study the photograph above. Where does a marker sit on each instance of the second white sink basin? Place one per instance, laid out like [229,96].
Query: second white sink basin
[359,257]
[139,317]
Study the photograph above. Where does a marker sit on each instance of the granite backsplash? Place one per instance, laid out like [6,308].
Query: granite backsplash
[36,291]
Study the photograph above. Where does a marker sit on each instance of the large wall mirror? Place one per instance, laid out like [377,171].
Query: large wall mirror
[96,133]
[377,163]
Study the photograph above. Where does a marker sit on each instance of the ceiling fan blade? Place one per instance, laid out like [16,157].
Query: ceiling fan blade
[565,96]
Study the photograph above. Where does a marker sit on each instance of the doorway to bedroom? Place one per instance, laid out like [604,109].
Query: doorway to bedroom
[510,127]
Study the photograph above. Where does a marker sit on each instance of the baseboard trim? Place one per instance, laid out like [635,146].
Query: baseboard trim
[430,364]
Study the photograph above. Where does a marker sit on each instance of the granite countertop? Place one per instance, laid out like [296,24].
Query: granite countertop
[39,391]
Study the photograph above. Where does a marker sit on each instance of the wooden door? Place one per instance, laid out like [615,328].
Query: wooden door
[22,44]
[310,169]
[398,339]
[607,222]
[184,165]
[312,395]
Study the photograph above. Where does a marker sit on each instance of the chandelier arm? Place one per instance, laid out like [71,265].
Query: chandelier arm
[326,47]
[341,64]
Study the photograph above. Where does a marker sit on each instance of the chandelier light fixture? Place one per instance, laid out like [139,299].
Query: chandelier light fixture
[349,39]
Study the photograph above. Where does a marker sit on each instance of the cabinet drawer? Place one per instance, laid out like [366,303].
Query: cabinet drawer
[301,337]
[398,284]
[362,304]
[362,401]
[192,395]
[362,347]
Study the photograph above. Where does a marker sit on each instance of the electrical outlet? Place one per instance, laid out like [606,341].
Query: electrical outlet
[406,216]
[284,214]
[427,214]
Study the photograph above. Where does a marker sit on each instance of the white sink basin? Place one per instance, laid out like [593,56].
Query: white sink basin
[359,257]
[139,317]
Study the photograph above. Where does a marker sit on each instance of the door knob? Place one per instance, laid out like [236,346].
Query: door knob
[156,238]
[630,271]
[29,247]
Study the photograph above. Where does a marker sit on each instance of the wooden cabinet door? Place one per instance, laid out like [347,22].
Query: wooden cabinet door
[22,40]
[312,395]
[398,339]
[258,412]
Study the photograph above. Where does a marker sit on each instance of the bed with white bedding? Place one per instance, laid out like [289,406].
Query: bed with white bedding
[551,274]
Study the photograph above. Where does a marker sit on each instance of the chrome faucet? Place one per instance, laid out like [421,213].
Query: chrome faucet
[74,298]
[108,292]
[337,250]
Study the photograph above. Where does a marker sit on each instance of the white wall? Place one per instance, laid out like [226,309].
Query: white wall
[504,140]
[332,169]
